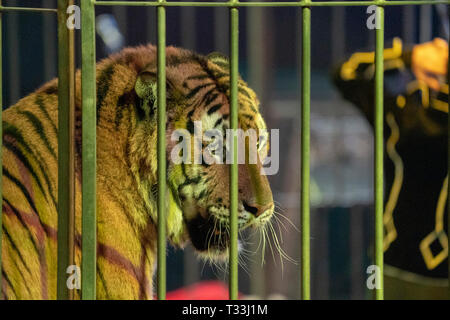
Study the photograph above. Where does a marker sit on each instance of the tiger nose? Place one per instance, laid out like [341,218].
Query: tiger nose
[256,209]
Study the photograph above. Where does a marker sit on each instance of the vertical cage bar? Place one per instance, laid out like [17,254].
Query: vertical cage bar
[89,156]
[1,141]
[234,56]
[379,73]
[71,73]
[66,114]
[305,151]
[161,88]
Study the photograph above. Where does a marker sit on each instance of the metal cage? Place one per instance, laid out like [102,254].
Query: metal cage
[66,71]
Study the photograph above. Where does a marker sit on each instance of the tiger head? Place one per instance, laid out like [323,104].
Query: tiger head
[198,103]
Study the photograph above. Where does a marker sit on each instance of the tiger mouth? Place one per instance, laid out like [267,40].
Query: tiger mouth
[212,233]
[208,234]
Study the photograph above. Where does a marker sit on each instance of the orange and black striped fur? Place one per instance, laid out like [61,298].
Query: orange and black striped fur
[197,90]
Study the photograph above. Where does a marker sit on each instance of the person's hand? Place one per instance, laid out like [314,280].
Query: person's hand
[429,62]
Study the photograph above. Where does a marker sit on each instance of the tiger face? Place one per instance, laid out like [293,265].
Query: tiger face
[198,104]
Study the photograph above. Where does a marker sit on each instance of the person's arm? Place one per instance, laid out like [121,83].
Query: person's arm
[429,62]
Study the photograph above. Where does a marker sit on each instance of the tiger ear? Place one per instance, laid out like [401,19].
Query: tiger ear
[145,88]
[219,59]
[145,84]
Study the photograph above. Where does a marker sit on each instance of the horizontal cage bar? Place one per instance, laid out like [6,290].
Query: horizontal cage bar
[236,4]
[23,9]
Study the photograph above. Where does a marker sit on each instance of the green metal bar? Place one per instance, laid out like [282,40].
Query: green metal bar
[236,4]
[89,158]
[66,205]
[305,152]
[161,114]
[234,56]
[378,117]
[23,9]
[71,72]
[1,141]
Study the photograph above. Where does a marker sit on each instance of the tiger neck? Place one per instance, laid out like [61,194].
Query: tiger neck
[124,160]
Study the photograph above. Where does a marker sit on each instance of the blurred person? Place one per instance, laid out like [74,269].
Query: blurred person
[415,161]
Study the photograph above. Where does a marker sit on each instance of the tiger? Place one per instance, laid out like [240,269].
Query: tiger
[198,89]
